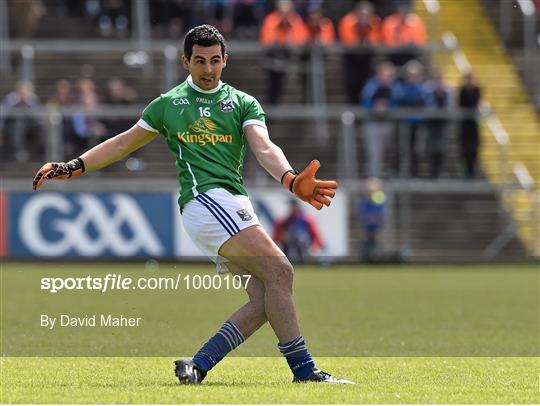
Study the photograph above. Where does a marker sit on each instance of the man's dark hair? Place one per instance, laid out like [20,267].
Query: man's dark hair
[205,36]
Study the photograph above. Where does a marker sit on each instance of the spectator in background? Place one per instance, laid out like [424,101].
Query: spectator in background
[20,129]
[379,96]
[372,212]
[85,87]
[411,95]
[437,96]
[87,129]
[297,234]
[403,29]
[282,30]
[113,19]
[118,94]
[320,28]
[321,33]
[358,27]
[63,97]
[469,98]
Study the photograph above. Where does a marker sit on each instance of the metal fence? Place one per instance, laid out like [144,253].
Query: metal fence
[517,24]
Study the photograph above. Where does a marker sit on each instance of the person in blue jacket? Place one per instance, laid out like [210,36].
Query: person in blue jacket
[379,95]
[411,95]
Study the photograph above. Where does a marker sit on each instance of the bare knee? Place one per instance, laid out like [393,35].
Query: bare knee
[280,275]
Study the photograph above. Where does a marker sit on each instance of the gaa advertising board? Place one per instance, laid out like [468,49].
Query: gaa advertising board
[131,225]
[56,224]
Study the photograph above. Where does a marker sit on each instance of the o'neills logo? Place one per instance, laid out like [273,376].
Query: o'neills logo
[200,132]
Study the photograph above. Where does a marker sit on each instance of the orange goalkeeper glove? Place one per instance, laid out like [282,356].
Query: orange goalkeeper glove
[58,170]
[307,188]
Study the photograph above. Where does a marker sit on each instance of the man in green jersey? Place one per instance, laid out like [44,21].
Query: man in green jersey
[208,125]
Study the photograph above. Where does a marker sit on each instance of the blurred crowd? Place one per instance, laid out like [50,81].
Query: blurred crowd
[360,30]
[411,90]
[169,18]
[386,91]
[288,30]
[22,133]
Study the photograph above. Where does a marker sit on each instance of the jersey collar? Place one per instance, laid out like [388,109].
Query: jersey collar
[197,88]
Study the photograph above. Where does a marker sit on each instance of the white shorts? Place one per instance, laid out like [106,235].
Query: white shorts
[212,217]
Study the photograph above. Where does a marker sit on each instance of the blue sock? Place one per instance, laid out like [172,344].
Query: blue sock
[226,339]
[298,357]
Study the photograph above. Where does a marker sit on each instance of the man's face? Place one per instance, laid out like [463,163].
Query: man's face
[25,92]
[363,14]
[205,65]
[314,17]
[386,76]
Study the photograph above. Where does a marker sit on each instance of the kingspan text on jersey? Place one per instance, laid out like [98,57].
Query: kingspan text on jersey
[203,139]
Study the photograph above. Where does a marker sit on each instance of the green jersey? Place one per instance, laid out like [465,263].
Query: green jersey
[204,130]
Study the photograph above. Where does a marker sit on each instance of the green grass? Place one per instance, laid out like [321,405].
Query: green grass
[405,334]
[267,380]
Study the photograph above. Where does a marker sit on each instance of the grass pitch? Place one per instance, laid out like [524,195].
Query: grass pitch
[267,380]
[445,334]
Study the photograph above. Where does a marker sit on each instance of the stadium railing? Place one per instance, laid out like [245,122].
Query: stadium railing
[140,54]
[171,49]
[348,116]
[517,25]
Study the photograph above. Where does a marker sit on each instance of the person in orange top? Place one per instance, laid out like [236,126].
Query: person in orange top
[281,29]
[320,28]
[358,27]
[401,29]
[283,26]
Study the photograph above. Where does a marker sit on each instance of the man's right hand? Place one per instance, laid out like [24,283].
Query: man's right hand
[58,170]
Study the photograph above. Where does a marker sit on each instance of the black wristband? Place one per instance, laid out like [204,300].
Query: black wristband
[293,171]
[291,185]
[74,165]
[82,163]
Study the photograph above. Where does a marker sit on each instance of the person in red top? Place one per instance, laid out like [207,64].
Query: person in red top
[297,234]
[356,28]
[402,29]
[281,30]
